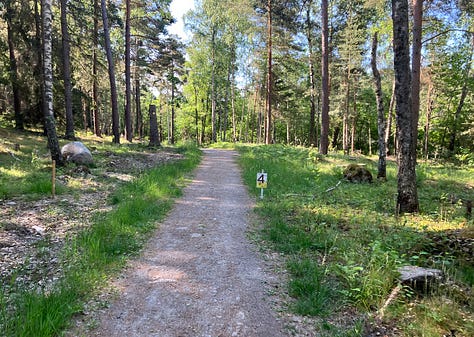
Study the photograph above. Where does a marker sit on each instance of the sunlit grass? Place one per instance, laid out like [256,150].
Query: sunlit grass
[91,256]
[13,172]
[350,231]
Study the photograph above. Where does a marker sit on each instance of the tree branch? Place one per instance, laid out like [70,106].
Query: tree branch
[445,32]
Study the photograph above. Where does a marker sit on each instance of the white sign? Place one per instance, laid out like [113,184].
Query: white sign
[261,180]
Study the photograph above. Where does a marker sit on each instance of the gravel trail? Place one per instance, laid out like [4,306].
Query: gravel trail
[199,276]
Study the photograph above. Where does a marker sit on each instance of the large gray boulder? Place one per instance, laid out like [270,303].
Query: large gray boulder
[78,153]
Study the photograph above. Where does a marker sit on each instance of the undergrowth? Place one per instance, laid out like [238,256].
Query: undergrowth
[91,256]
[343,242]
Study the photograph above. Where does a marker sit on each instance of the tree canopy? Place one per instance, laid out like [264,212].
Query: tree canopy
[251,72]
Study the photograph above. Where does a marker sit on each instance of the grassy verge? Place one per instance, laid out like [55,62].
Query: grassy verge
[89,257]
[343,245]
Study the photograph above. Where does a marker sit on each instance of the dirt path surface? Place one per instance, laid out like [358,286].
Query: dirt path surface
[199,276]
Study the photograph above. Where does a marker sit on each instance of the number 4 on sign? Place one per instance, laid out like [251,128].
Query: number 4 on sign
[261,182]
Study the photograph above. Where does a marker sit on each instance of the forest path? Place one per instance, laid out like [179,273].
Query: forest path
[199,276]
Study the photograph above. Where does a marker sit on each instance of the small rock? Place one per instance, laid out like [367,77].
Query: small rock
[38,229]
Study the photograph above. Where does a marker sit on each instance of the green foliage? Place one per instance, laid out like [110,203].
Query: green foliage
[343,242]
[310,287]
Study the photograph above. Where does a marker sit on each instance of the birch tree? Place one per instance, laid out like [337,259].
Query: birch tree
[49,121]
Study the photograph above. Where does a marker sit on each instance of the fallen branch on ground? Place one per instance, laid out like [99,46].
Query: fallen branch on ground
[389,300]
[334,187]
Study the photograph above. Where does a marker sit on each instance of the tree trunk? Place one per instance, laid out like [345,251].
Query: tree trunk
[95,89]
[84,114]
[464,92]
[335,137]
[172,122]
[429,110]
[234,117]
[324,142]
[128,75]
[353,133]
[113,85]
[457,115]
[382,165]
[345,115]
[49,122]
[407,198]
[138,106]
[225,118]
[388,129]
[154,133]
[213,86]
[196,115]
[38,69]
[19,120]
[255,116]
[416,68]
[312,94]
[66,58]
[268,120]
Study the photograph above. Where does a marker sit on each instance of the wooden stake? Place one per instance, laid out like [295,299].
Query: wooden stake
[53,180]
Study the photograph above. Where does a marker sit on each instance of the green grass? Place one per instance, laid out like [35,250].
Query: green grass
[344,245]
[89,258]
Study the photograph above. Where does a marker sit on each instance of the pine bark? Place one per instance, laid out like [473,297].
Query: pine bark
[312,94]
[388,129]
[173,117]
[268,119]
[382,165]
[95,89]
[113,85]
[416,67]
[429,111]
[407,198]
[128,81]
[19,120]
[213,85]
[154,133]
[138,106]
[324,142]
[66,58]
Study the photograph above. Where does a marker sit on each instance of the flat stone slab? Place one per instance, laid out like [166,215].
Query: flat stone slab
[422,280]
[414,273]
